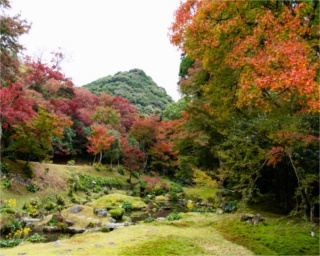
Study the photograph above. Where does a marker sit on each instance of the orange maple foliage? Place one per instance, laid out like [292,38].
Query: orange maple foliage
[276,62]
[100,140]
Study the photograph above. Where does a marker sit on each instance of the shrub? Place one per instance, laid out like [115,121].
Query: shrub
[6,183]
[92,225]
[62,226]
[105,229]
[176,188]
[4,168]
[52,222]
[117,213]
[97,188]
[83,182]
[173,216]
[19,234]
[120,170]
[60,200]
[154,185]
[173,197]
[97,166]
[203,209]
[32,188]
[127,206]
[10,243]
[149,219]
[28,171]
[71,163]
[50,206]
[36,238]
[230,206]
[32,207]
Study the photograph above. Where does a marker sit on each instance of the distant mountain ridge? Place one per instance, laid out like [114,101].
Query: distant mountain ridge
[135,86]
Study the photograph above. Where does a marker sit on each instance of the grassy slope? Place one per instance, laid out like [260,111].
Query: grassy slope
[54,176]
[192,235]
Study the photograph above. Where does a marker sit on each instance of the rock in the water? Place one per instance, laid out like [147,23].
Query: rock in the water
[75,230]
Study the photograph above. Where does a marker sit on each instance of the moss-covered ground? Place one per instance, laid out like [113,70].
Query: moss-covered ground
[194,234]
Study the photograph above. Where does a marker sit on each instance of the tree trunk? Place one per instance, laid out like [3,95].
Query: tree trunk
[100,157]
[312,213]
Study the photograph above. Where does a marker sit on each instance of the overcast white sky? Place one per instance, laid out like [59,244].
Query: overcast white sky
[102,37]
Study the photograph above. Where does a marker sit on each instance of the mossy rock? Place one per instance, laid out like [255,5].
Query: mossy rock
[117,213]
[117,200]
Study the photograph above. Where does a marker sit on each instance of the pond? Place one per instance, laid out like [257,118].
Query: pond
[154,210]
[158,209]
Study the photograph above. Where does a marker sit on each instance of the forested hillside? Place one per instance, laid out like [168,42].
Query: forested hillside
[135,86]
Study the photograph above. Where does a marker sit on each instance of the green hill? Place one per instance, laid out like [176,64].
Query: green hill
[135,86]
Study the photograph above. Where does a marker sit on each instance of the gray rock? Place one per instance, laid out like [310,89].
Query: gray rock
[116,225]
[38,228]
[57,216]
[251,218]
[75,209]
[56,243]
[28,220]
[69,222]
[219,211]
[101,212]
[50,229]
[112,220]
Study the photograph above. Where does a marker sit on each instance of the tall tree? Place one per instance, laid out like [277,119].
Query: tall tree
[100,141]
[132,156]
[252,80]
[145,132]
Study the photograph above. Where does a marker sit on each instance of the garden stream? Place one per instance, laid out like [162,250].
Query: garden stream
[165,209]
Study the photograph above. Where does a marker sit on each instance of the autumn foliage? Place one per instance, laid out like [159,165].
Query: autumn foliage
[251,72]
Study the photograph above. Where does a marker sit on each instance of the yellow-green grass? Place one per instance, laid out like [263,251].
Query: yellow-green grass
[194,234]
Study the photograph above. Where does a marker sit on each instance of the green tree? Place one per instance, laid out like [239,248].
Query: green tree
[175,109]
